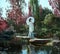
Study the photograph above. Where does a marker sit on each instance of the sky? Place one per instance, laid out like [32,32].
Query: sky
[5,5]
[45,3]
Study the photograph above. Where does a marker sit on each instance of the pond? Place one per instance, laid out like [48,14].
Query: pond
[30,49]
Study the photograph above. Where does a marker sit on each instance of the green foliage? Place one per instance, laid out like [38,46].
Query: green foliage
[35,8]
[46,24]
[43,23]
[45,11]
[48,19]
[20,28]
[49,26]
[41,27]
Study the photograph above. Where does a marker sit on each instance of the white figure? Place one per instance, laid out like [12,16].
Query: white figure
[30,23]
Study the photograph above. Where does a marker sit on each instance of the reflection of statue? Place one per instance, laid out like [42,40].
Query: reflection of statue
[30,23]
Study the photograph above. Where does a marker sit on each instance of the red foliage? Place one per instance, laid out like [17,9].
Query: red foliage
[3,24]
[55,6]
[16,15]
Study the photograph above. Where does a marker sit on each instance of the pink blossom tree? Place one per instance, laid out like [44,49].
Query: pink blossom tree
[55,6]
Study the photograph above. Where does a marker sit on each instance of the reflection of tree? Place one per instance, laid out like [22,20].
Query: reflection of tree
[14,52]
[39,49]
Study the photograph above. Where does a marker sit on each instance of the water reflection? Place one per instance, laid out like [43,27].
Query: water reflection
[30,49]
[39,49]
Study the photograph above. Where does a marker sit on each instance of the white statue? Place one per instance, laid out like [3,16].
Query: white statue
[30,23]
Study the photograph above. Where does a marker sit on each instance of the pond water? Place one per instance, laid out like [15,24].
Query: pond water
[30,49]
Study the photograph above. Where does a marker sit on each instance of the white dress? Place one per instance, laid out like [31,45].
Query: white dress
[31,25]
